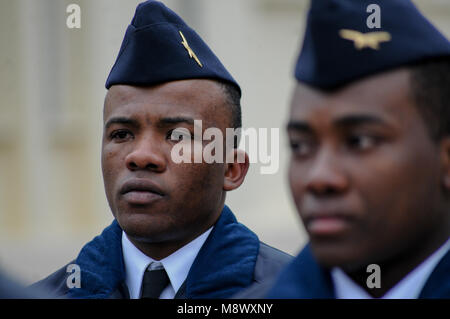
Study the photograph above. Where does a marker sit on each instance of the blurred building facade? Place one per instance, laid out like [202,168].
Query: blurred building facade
[52,90]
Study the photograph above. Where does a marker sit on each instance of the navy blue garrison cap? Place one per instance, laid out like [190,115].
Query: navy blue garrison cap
[160,47]
[347,40]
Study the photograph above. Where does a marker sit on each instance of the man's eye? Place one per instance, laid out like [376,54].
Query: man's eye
[301,148]
[362,142]
[120,135]
[179,134]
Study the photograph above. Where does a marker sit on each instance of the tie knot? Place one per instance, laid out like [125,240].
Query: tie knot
[154,283]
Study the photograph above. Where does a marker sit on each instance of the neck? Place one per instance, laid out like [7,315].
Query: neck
[162,249]
[395,269]
[157,251]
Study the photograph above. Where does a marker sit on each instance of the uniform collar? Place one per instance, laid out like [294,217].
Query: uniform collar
[177,265]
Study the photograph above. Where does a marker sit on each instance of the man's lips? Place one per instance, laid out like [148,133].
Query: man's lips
[327,224]
[140,192]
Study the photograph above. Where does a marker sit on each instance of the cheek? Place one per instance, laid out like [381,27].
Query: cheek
[198,182]
[296,176]
[111,162]
[107,163]
[396,189]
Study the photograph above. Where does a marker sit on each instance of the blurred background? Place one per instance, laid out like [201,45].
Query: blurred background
[52,88]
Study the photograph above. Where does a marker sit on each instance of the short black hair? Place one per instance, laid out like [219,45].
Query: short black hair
[233,99]
[430,89]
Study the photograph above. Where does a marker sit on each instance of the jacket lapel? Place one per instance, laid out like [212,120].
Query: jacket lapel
[303,278]
[181,293]
[438,284]
[225,264]
[101,264]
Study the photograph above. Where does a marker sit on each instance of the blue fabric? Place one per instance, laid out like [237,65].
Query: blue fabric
[224,265]
[304,278]
[327,60]
[101,264]
[438,285]
[152,51]
[226,262]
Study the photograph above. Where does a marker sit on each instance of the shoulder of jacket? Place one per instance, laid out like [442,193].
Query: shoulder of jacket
[269,262]
[56,282]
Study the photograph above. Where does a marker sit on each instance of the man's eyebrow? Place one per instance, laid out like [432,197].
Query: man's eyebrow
[358,119]
[121,120]
[298,126]
[176,120]
[343,121]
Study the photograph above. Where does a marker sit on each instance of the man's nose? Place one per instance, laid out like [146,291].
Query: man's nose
[326,176]
[147,154]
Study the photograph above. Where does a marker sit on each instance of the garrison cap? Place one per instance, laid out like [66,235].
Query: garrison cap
[160,47]
[346,40]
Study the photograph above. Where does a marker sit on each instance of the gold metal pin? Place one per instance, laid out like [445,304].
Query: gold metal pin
[192,55]
[365,40]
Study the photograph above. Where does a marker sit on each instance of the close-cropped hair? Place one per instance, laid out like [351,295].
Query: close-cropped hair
[430,90]
[233,98]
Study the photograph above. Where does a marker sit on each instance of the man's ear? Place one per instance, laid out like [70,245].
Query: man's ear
[445,160]
[235,172]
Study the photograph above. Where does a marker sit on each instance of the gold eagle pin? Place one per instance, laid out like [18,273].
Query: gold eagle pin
[192,55]
[365,40]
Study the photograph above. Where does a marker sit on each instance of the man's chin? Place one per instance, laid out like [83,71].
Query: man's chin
[136,233]
[343,257]
[144,229]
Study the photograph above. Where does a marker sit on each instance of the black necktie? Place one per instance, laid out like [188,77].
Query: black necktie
[154,283]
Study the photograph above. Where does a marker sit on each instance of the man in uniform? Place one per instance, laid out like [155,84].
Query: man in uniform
[369,130]
[172,236]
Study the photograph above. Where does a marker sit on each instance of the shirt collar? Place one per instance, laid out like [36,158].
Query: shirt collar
[177,265]
[408,288]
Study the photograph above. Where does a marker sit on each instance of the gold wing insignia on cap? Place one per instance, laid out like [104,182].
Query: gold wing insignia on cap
[365,40]
[192,55]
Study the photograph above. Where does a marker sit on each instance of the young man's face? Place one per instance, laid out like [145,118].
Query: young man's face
[154,199]
[364,173]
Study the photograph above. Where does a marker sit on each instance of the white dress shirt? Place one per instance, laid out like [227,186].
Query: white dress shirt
[408,288]
[177,265]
